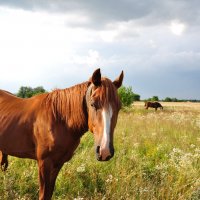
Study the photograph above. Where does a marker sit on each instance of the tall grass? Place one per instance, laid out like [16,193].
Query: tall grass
[157,156]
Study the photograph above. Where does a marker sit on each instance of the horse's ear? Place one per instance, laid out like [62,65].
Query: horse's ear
[96,77]
[118,81]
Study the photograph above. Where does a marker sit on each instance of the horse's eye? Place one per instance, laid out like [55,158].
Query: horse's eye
[94,105]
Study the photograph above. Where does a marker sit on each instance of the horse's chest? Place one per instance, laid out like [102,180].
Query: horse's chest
[60,145]
[70,150]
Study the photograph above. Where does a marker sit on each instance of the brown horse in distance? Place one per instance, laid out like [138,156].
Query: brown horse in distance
[48,127]
[155,105]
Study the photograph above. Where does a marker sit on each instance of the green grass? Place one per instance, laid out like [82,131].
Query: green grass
[157,156]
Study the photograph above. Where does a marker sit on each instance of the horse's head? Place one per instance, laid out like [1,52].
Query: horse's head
[103,106]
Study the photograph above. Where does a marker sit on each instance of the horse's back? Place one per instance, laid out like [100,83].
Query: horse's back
[158,104]
[153,104]
[4,93]
[17,118]
[6,96]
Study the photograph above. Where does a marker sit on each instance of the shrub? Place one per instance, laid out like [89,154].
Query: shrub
[27,92]
[127,96]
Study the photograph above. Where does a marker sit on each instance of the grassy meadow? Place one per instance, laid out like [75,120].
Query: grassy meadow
[157,157]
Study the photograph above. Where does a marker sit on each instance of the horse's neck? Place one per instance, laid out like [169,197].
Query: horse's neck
[69,105]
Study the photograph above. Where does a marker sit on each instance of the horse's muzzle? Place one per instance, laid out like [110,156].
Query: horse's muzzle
[99,156]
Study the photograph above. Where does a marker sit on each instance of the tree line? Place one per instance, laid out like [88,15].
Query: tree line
[169,99]
[126,95]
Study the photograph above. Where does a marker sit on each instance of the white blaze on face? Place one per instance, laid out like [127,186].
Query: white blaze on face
[107,116]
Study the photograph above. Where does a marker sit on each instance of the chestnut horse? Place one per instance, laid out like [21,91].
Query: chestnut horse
[48,127]
[155,105]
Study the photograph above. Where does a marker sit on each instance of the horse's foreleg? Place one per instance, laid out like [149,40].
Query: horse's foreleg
[43,179]
[54,174]
[4,161]
[47,176]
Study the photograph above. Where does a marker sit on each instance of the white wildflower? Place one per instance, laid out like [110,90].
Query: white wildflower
[180,159]
[79,198]
[176,150]
[109,179]
[81,168]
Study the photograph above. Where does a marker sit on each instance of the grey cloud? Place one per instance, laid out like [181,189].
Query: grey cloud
[169,69]
[102,12]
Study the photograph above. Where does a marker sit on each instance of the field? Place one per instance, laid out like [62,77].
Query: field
[157,158]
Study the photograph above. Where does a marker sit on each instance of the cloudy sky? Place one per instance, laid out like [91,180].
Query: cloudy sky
[58,43]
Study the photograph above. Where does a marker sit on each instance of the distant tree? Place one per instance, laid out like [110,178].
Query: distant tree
[136,97]
[27,92]
[38,90]
[167,99]
[127,96]
[155,98]
[174,100]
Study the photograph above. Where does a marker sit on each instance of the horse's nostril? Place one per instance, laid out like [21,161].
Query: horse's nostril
[98,149]
[98,156]
[108,158]
[104,155]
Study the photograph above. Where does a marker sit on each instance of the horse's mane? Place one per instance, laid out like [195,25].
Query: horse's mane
[69,105]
